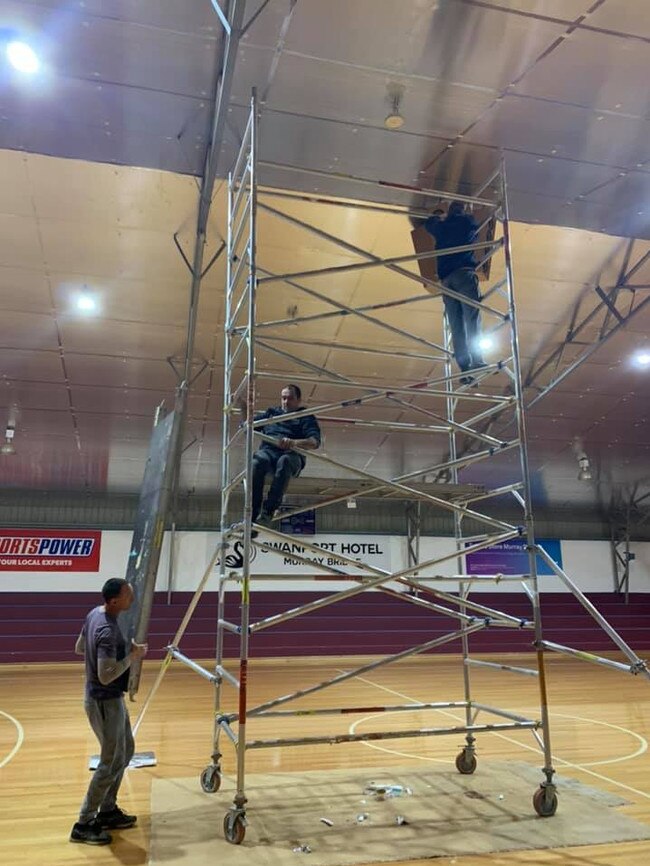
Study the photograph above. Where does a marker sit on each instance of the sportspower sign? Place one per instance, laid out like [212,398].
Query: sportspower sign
[50,549]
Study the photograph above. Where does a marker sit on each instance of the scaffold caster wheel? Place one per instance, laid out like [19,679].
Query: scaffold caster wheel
[466,762]
[234,828]
[211,779]
[545,804]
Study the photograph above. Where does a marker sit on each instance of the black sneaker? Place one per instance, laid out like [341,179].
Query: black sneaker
[116,819]
[466,380]
[90,834]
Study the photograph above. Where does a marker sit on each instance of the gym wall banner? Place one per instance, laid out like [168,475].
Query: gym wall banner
[281,559]
[50,549]
[511,557]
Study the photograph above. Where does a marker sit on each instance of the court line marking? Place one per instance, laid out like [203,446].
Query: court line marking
[640,751]
[643,747]
[511,740]
[19,739]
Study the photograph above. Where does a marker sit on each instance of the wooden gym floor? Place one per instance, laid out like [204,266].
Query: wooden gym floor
[600,729]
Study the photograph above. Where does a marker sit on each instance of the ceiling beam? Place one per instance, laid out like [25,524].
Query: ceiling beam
[616,307]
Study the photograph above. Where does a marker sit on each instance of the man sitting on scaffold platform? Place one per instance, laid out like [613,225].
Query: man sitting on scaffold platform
[279,459]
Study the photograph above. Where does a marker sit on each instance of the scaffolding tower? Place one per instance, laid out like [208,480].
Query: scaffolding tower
[446,408]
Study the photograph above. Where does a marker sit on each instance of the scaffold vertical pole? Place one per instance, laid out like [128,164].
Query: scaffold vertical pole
[240,796]
[466,759]
[546,796]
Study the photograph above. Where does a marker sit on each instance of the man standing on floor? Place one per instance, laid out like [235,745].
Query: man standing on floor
[279,459]
[457,271]
[107,678]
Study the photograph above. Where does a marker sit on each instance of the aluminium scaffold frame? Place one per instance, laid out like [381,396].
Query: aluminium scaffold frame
[245,337]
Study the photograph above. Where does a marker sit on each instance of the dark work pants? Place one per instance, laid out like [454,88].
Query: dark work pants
[463,319]
[109,720]
[282,467]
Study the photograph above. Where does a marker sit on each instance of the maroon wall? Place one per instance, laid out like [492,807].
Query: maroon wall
[42,627]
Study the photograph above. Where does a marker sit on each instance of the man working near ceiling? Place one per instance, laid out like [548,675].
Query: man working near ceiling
[107,678]
[457,271]
[279,459]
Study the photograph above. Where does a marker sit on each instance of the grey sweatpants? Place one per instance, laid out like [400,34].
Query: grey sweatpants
[109,720]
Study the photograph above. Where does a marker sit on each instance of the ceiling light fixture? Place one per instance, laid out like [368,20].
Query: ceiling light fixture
[86,304]
[485,342]
[394,120]
[642,358]
[351,503]
[584,466]
[7,446]
[23,57]
[584,472]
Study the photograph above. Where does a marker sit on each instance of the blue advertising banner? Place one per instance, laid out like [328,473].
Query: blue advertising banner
[511,557]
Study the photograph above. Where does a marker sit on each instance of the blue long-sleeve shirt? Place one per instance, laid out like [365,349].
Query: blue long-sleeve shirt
[454,231]
[293,428]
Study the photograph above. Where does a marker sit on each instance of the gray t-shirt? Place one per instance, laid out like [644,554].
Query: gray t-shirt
[103,640]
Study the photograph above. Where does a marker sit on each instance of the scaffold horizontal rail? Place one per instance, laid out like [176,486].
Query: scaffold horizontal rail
[347,675]
[489,612]
[316,487]
[634,667]
[447,611]
[513,669]
[410,491]
[381,708]
[396,268]
[383,574]
[444,195]
[418,390]
[356,347]
[226,675]
[412,257]
[188,662]
[496,727]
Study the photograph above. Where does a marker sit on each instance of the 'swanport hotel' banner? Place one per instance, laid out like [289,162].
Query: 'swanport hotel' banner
[50,549]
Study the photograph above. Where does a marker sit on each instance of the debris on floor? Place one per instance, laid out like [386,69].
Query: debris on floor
[385,790]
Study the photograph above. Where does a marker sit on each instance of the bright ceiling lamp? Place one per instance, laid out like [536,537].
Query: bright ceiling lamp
[485,343]
[23,57]
[642,358]
[86,304]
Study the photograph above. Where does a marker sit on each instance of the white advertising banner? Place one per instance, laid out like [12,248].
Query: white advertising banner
[287,558]
[587,562]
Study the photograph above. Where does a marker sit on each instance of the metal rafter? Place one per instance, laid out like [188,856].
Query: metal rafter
[603,311]
[596,317]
